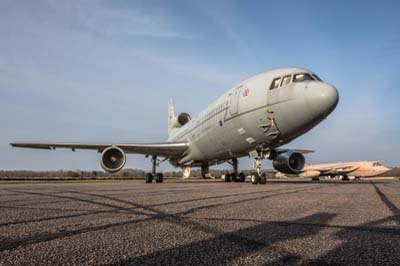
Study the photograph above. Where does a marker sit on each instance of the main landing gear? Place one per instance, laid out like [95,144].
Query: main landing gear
[158,176]
[234,176]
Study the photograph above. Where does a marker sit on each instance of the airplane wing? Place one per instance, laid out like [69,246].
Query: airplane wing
[295,150]
[338,170]
[166,149]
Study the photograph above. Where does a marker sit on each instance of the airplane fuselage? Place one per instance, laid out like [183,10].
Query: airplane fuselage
[252,116]
[348,169]
[360,169]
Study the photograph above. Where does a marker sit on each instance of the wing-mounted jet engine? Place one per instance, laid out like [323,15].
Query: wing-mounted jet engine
[112,159]
[290,162]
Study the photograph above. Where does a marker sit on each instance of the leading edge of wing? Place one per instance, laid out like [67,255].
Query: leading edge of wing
[279,150]
[53,146]
[163,149]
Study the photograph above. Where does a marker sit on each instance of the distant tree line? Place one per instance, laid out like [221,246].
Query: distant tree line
[124,174]
[69,174]
[79,174]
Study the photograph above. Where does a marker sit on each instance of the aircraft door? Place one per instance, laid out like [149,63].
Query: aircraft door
[234,104]
[273,92]
[270,128]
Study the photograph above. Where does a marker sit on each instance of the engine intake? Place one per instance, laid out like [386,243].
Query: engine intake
[183,118]
[112,159]
[290,162]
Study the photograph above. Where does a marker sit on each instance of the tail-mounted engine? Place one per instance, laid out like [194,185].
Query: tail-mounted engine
[181,120]
[112,159]
[289,162]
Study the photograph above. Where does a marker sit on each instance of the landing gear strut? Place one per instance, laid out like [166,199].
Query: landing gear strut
[159,176]
[235,166]
[258,177]
[205,172]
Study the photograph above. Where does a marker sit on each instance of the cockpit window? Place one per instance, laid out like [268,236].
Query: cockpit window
[275,83]
[377,164]
[286,80]
[316,77]
[302,77]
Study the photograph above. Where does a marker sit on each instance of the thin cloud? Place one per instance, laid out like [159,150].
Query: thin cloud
[108,20]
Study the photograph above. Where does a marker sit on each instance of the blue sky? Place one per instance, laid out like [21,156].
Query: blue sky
[103,71]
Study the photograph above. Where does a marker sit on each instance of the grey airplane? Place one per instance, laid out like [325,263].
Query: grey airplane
[254,118]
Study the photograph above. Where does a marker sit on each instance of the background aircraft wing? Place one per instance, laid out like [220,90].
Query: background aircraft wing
[338,169]
[166,149]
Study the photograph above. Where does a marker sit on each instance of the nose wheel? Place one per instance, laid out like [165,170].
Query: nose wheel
[258,177]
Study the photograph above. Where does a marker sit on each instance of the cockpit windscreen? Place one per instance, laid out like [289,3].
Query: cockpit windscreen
[316,77]
[302,77]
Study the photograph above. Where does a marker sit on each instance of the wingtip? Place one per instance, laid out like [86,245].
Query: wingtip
[17,145]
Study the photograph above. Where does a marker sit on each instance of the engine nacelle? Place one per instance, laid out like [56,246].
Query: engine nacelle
[112,159]
[181,120]
[290,162]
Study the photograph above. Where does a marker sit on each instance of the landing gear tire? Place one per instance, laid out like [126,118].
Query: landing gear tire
[227,178]
[233,177]
[242,177]
[255,178]
[315,179]
[345,178]
[149,178]
[263,179]
[159,178]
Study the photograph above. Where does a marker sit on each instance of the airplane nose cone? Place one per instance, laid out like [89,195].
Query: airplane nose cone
[386,170]
[321,98]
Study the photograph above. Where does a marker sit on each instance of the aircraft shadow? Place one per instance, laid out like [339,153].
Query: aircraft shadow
[369,242]
[227,246]
[372,248]
[175,218]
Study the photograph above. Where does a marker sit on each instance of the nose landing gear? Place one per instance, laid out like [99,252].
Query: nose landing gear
[258,177]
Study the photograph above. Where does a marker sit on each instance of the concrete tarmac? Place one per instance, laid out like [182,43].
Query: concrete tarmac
[200,223]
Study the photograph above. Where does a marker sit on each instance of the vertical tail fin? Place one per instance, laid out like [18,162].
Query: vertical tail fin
[171,116]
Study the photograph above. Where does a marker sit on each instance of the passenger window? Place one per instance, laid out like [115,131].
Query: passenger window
[302,77]
[275,83]
[286,80]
